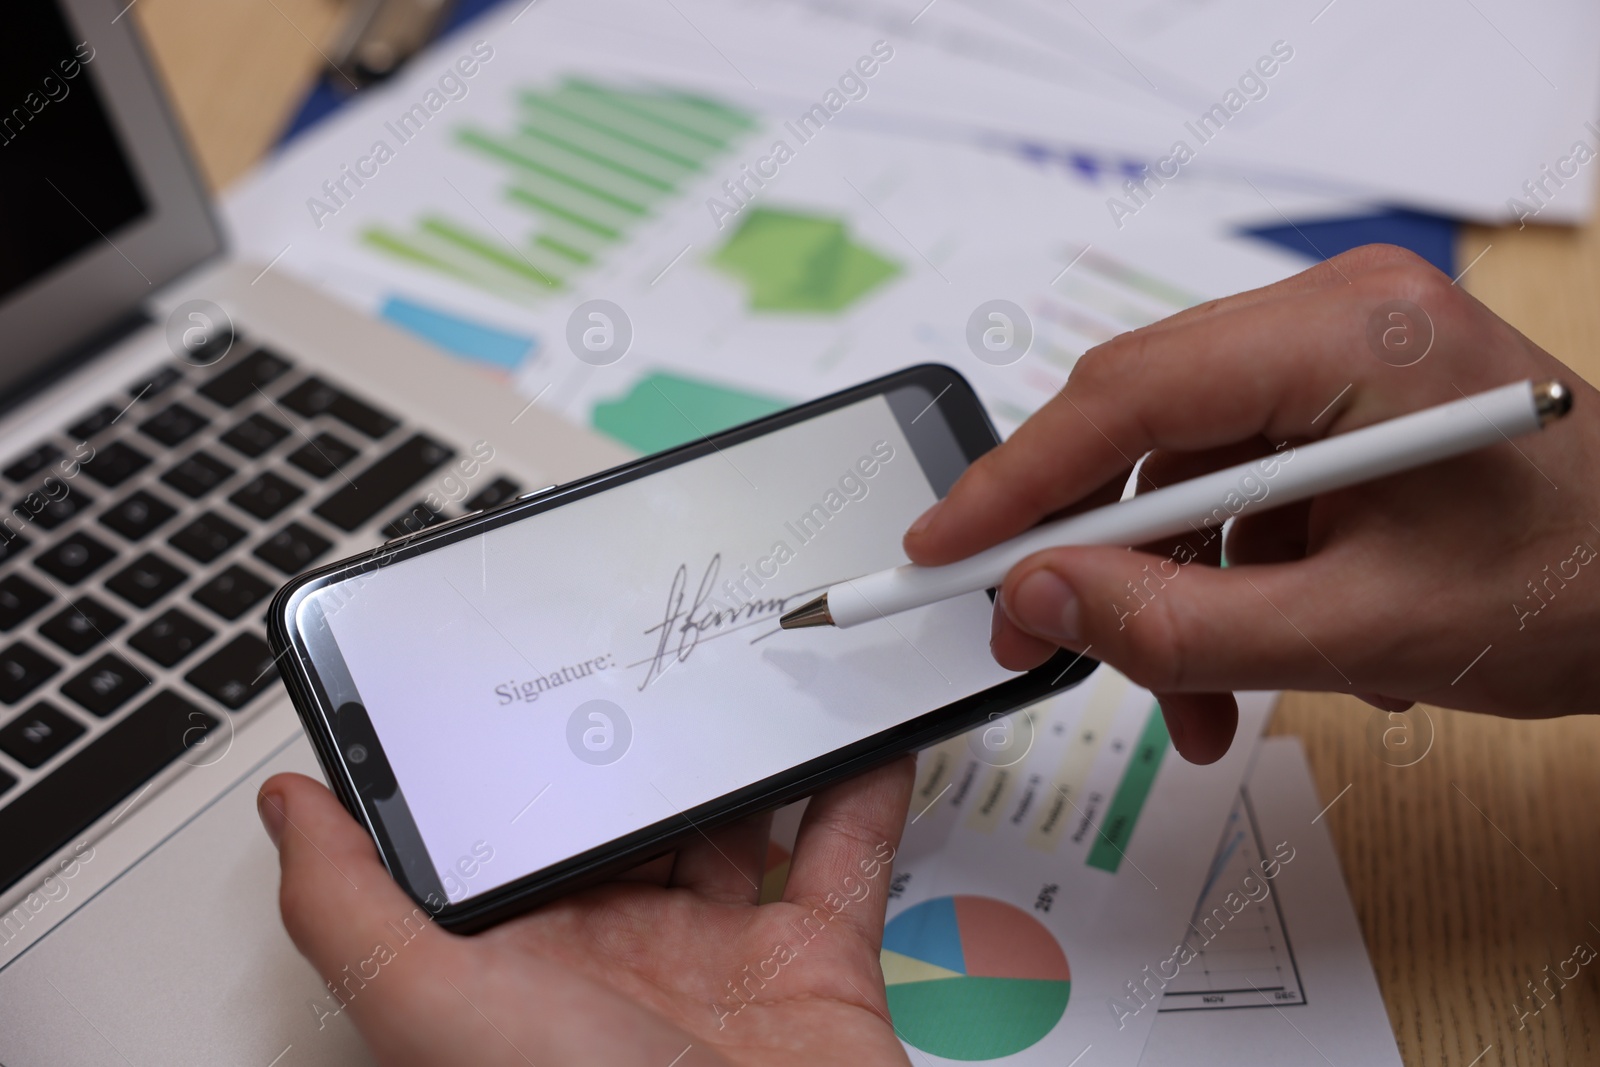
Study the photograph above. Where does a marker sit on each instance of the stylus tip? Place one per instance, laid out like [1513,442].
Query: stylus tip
[1553,400]
[811,613]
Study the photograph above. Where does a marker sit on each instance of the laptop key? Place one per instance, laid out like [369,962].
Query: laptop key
[37,734]
[106,684]
[74,558]
[265,495]
[94,422]
[207,350]
[236,672]
[81,625]
[198,475]
[233,592]
[171,637]
[255,436]
[51,511]
[22,668]
[138,516]
[292,549]
[19,599]
[206,538]
[174,424]
[380,484]
[316,397]
[323,455]
[115,463]
[94,780]
[493,495]
[240,380]
[6,782]
[145,580]
[156,384]
[11,546]
[32,462]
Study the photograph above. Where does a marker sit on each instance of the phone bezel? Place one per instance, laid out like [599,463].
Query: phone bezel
[968,424]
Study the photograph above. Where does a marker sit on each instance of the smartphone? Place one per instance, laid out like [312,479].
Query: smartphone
[528,699]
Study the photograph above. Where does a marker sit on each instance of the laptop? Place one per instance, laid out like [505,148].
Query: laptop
[179,433]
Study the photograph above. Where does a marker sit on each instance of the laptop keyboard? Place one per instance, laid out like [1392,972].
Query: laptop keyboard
[137,553]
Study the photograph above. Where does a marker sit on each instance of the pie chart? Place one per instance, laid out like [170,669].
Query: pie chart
[973,978]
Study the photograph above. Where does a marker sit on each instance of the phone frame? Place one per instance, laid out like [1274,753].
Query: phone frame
[332,725]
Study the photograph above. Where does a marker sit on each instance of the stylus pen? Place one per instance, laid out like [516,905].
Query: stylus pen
[1358,456]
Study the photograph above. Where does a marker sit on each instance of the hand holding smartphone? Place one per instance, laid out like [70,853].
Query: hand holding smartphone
[528,699]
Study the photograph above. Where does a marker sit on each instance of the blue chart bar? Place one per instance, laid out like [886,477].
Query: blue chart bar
[458,336]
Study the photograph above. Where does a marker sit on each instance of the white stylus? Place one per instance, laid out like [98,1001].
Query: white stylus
[1334,463]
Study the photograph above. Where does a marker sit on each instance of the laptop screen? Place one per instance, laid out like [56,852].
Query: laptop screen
[101,205]
[65,180]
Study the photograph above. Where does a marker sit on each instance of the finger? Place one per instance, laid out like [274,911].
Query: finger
[1201,725]
[1291,368]
[725,864]
[1263,537]
[337,899]
[1108,492]
[1011,647]
[1014,648]
[1162,468]
[845,845]
[1325,275]
[1279,536]
[1196,629]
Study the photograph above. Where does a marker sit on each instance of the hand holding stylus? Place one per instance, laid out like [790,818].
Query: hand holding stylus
[1462,583]
[1467,583]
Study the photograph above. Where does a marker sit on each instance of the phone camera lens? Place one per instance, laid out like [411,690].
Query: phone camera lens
[356,753]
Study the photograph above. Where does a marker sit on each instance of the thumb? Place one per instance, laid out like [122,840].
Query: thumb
[338,901]
[1174,625]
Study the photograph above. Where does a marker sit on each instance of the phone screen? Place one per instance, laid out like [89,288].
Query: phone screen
[560,681]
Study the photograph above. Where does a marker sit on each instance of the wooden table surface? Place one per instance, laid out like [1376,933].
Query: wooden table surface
[1472,869]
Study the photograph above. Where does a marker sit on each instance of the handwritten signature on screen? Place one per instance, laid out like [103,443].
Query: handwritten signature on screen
[682,628]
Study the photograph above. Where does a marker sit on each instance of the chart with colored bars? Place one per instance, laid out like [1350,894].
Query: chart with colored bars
[587,163]
[1100,297]
[1049,779]
[973,978]
[994,888]
[1244,960]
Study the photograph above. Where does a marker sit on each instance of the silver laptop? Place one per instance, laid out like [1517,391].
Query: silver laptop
[179,434]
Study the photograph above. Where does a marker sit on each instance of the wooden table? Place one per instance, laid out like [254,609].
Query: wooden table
[1471,870]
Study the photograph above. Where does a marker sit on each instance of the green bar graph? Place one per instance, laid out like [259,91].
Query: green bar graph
[585,163]
[1116,830]
[662,410]
[796,262]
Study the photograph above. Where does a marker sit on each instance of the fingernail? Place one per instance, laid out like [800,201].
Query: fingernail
[924,519]
[996,617]
[1045,604]
[270,807]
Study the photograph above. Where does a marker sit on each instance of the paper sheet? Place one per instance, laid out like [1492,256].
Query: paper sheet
[1286,979]
[1049,857]
[1441,106]
[861,253]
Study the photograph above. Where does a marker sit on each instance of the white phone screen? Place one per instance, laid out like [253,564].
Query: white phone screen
[561,681]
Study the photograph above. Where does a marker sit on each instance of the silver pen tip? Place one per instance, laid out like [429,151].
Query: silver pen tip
[812,613]
[1551,400]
